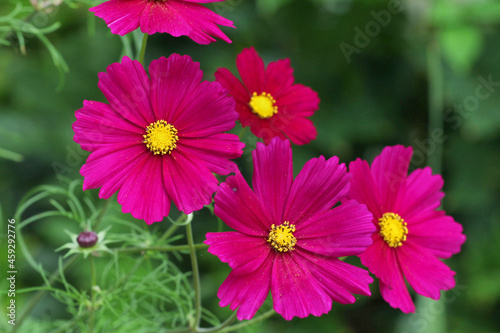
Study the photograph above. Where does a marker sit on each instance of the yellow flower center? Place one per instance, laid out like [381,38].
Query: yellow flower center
[281,237]
[393,229]
[263,105]
[161,137]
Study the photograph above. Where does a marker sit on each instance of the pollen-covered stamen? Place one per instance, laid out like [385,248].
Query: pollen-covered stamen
[393,229]
[161,137]
[263,105]
[281,237]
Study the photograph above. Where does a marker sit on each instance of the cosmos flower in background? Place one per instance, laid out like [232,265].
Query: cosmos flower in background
[268,101]
[159,139]
[288,238]
[411,233]
[175,17]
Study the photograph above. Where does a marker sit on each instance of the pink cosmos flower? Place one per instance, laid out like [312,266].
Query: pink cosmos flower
[159,139]
[411,233]
[288,238]
[176,17]
[268,101]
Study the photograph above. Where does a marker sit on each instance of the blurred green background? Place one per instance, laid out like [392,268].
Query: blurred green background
[378,66]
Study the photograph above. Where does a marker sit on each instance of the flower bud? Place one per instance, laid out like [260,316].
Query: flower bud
[87,239]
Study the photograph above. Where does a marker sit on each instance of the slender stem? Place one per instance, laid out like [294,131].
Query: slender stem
[38,296]
[242,132]
[10,155]
[143,48]
[92,294]
[168,233]
[217,328]
[162,248]
[436,105]
[222,328]
[102,213]
[262,317]
[196,276]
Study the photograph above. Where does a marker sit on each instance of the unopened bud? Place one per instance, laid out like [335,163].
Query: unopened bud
[87,239]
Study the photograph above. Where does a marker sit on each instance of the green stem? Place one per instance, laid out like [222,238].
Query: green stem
[196,276]
[217,328]
[242,132]
[262,317]
[102,213]
[92,293]
[168,233]
[171,248]
[143,48]
[436,105]
[38,296]
[10,155]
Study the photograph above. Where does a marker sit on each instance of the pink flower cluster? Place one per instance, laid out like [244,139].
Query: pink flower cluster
[161,138]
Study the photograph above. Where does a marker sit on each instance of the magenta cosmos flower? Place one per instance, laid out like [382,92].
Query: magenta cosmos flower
[268,101]
[159,139]
[288,238]
[175,17]
[411,234]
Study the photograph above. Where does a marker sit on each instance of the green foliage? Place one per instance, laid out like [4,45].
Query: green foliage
[128,292]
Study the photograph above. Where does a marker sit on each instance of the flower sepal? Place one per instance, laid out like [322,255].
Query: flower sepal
[76,247]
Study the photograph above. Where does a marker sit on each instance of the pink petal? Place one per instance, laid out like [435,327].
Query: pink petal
[208,28]
[126,87]
[436,232]
[344,231]
[278,76]
[210,110]
[166,16]
[121,16]
[215,151]
[247,292]
[99,125]
[382,261]
[424,272]
[204,1]
[231,83]
[181,18]
[172,79]
[239,207]
[195,108]
[109,166]
[422,193]
[143,194]
[295,290]
[318,187]
[363,188]
[261,128]
[297,100]
[337,278]
[389,171]
[300,131]
[251,69]
[240,251]
[188,181]
[273,176]
[397,295]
